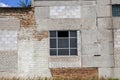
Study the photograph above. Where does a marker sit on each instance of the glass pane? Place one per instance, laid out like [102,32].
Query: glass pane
[63,43]
[73,33]
[53,52]
[116,10]
[52,43]
[62,33]
[73,51]
[52,33]
[73,43]
[63,51]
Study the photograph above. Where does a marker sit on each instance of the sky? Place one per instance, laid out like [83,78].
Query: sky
[10,3]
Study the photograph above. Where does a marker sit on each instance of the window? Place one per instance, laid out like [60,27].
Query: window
[63,43]
[116,10]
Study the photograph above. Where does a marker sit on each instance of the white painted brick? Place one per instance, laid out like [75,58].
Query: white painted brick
[65,12]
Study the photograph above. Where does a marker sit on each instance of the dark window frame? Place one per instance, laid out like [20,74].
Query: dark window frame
[61,49]
[116,10]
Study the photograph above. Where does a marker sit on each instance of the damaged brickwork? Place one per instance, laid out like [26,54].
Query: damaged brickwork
[25,15]
[27,32]
[72,73]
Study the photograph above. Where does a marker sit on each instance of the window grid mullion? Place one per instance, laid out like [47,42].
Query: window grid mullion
[69,42]
[57,42]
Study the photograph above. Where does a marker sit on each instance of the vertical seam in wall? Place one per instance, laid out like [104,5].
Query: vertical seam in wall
[112,27]
[81,47]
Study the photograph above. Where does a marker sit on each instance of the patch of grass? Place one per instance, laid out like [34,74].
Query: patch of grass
[40,78]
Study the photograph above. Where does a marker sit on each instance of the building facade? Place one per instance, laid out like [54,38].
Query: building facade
[55,34]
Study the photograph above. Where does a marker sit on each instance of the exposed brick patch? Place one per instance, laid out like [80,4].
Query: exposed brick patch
[32,34]
[26,15]
[40,35]
[83,73]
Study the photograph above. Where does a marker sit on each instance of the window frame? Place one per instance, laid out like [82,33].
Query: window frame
[69,39]
[114,14]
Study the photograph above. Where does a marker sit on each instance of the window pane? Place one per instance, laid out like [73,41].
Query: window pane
[53,52]
[63,51]
[52,33]
[62,33]
[73,51]
[63,43]
[73,34]
[73,43]
[52,43]
[116,10]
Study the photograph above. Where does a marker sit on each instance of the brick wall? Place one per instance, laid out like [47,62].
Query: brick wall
[25,15]
[83,73]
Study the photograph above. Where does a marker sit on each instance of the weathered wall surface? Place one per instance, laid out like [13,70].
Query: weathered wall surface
[9,27]
[83,73]
[12,22]
[116,27]
[94,23]
[98,43]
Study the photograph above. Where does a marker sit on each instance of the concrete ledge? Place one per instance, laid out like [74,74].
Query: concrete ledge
[62,24]
[60,62]
[61,3]
[115,1]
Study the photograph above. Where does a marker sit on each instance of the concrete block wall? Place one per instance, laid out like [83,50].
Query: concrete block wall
[12,21]
[29,55]
[94,22]
[9,27]
[116,27]
[32,52]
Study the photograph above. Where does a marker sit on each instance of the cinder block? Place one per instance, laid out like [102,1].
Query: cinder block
[106,72]
[105,35]
[9,23]
[106,48]
[8,40]
[90,49]
[33,58]
[64,62]
[59,24]
[88,23]
[88,9]
[104,23]
[105,2]
[65,12]
[103,11]
[97,61]
[41,13]
[117,59]
[117,73]
[116,22]
[8,61]
[115,1]
[89,36]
